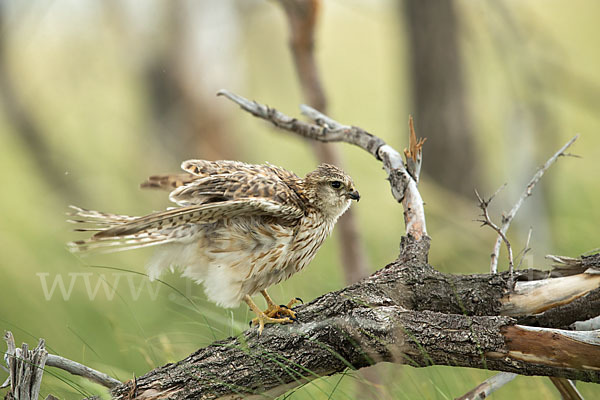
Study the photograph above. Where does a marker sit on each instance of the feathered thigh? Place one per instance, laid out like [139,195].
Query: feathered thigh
[231,257]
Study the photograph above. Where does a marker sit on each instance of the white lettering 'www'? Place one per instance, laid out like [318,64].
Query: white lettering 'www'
[109,288]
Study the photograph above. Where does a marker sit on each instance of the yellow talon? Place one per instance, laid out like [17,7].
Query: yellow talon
[274,314]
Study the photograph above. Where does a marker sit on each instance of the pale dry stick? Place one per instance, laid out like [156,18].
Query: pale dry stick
[483,204]
[489,386]
[76,368]
[325,129]
[525,250]
[507,219]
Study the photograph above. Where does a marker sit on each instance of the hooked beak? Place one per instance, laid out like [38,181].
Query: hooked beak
[353,195]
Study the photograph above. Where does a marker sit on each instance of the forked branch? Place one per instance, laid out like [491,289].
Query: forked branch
[507,219]
[487,221]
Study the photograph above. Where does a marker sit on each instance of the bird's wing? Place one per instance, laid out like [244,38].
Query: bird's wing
[209,191]
[175,225]
[198,169]
[204,168]
[204,213]
[168,181]
[236,186]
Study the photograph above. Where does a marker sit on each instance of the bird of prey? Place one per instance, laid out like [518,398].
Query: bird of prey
[238,228]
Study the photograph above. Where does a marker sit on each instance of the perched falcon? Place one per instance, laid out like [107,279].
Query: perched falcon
[238,228]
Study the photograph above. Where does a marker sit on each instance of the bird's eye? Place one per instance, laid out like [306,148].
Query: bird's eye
[336,184]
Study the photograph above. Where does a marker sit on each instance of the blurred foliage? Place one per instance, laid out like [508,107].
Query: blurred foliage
[79,68]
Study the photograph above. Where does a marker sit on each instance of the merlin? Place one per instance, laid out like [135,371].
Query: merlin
[237,229]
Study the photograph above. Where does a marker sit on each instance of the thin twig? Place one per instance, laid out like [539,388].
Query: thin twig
[525,250]
[483,204]
[507,219]
[325,129]
[487,387]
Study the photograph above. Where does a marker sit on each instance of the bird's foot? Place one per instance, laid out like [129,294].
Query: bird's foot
[273,316]
[283,311]
[276,314]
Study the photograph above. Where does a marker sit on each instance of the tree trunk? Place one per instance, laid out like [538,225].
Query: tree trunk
[439,94]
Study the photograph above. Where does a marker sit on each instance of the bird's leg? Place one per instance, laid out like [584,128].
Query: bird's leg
[262,318]
[270,303]
[273,310]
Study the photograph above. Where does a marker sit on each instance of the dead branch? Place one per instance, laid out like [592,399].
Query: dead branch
[325,129]
[76,368]
[483,205]
[507,219]
[528,299]
[26,369]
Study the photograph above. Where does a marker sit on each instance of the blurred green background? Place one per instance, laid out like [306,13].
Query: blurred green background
[98,95]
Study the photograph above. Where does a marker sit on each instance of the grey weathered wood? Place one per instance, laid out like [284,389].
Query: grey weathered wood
[25,368]
[76,368]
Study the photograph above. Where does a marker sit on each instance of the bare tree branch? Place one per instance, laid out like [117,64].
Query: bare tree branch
[76,368]
[405,313]
[325,129]
[26,369]
[507,219]
[483,204]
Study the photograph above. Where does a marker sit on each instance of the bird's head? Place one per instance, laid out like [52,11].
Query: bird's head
[330,190]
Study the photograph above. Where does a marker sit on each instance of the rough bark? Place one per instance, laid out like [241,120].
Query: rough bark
[405,313]
[357,338]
